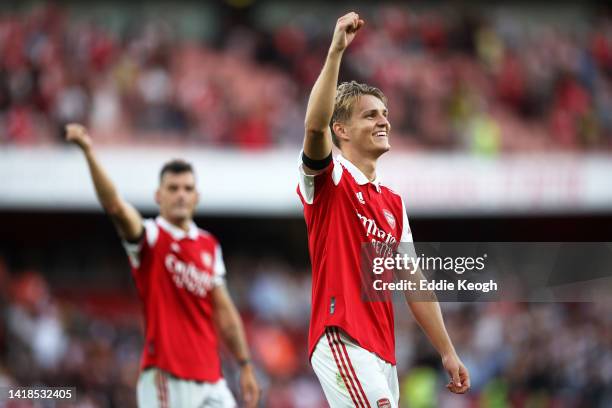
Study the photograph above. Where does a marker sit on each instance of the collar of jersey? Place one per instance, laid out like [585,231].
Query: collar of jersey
[176,232]
[357,174]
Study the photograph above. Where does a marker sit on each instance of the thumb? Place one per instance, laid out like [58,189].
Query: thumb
[249,399]
[247,393]
[454,373]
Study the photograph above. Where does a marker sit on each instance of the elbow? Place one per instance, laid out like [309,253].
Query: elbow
[227,322]
[113,207]
[314,124]
[313,129]
[227,329]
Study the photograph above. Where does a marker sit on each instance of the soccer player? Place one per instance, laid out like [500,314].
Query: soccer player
[351,341]
[179,272]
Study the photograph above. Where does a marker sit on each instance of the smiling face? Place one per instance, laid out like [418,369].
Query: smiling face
[367,129]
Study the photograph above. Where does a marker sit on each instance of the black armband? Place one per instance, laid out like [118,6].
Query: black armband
[316,164]
[139,239]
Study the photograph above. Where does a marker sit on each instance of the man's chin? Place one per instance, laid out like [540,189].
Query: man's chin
[382,149]
[179,217]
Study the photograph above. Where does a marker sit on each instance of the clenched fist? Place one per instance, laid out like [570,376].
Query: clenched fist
[78,135]
[459,377]
[344,33]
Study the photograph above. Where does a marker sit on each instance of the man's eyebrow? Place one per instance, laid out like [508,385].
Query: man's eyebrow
[373,110]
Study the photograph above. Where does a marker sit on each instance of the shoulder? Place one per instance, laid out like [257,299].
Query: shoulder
[390,192]
[207,236]
[151,231]
[334,167]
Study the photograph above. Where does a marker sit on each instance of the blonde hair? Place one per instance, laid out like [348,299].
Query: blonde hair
[347,95]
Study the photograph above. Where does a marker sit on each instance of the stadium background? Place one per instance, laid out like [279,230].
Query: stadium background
[502,121]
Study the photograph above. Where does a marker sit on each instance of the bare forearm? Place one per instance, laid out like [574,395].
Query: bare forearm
[233,335]
[429,317]
[322,97]
[105,189]
[426,310]
[127,219]
[320,109]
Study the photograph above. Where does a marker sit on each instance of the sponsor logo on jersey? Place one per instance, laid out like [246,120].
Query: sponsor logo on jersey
[372,229]
[175,247]
[389,217]
[188,276]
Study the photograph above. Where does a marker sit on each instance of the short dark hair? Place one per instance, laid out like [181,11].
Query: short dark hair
[347,95]
[176,166]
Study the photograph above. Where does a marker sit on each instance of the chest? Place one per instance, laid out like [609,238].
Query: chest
[197,253]
[378,211]
[188,264]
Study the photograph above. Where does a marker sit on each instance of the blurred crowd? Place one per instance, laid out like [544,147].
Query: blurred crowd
[519,355]
[480,80]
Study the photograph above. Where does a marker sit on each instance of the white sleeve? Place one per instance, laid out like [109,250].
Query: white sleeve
[406,240]
[133,249]
[219,267]
[307,181]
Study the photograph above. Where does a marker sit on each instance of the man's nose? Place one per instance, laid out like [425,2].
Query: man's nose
[383,122]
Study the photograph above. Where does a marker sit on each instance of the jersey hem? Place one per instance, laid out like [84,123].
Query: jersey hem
[318,338]
[210,380]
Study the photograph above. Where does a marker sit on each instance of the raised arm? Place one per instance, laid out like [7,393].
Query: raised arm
[127,220]
[317,138]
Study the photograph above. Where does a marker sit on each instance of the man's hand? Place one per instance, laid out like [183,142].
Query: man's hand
[344,33]
[78,135]
[459,376]
[248,386]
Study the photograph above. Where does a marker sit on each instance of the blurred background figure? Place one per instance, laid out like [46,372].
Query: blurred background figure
[481,79]
[37,337]
[502,131]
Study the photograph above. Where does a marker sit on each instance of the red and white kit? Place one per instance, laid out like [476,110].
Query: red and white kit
[174,272]
[344,210]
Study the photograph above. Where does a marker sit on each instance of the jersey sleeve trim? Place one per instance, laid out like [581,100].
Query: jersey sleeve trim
[406,239]
[219,270]
[306,183]
[134,249]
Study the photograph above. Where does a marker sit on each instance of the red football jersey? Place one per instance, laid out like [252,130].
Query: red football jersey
[344,210]
[174,272]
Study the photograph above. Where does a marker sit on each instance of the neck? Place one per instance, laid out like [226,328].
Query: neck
[182,224]
[367,165]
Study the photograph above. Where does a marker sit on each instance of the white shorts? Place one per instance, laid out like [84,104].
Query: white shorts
[352,376]
[159,389]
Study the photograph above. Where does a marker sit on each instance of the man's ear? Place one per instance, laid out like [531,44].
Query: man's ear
[339,130]
[157,193]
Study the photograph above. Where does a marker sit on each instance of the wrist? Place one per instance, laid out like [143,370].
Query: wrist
[448,353]
[244,363]
[334,53]
[447,349]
